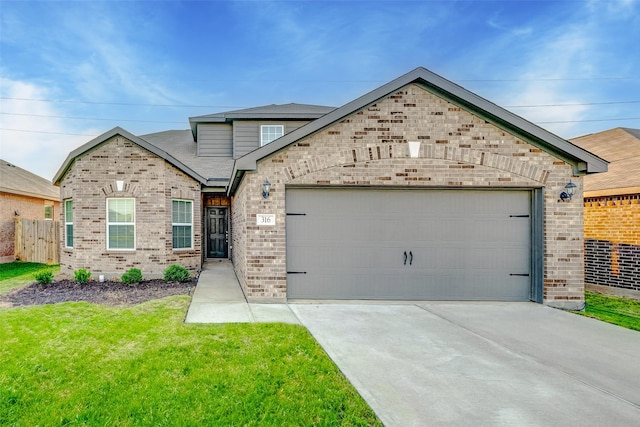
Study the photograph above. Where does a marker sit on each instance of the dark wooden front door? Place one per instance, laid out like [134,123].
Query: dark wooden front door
[217,241]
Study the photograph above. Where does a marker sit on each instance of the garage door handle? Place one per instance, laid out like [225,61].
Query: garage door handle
[410,258]
[405,257]
[519,274]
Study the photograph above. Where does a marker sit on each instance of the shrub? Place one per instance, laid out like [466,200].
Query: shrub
[44,277]
[82,276]
[132,276]
[176,273]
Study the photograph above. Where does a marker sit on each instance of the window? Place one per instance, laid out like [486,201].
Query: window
[48,210]
[270,132]
[182,222]
[121,227]
[68,223]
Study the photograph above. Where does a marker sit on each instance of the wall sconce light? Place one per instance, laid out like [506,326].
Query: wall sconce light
[16,213]
[570,191]
[266,187]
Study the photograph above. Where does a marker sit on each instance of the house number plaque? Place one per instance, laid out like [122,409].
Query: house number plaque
[265,219]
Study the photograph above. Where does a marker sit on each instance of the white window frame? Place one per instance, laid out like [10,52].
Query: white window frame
[182,224]
[48,206]
[68,222]
[262,128]
[133,201]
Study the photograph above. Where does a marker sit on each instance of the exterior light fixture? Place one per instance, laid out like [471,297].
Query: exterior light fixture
[266,187]
[570,188]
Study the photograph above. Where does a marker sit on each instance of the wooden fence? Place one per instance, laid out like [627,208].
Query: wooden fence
[38,240]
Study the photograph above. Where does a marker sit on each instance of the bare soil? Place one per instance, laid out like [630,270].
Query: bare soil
[110,293]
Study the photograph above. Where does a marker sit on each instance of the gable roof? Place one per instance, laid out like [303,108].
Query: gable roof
[16,180]
[135,139]
[621,147]
[583,161]
[267,112]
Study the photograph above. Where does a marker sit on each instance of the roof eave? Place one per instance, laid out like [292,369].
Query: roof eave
[29,194]
[582,160]
[230,117]
[135,139]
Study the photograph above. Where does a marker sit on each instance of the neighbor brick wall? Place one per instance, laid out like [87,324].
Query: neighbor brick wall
[370,148]
[612,241]
[154,183]
[29,207]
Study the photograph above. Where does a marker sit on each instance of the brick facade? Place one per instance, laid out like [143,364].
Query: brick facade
[369,149]
[153,183]
[28,207]
[612,241]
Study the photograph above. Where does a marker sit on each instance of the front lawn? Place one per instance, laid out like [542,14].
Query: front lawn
[617,310]
[18,273]
[85,364]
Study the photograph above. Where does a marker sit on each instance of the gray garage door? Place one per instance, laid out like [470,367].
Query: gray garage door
[408,244]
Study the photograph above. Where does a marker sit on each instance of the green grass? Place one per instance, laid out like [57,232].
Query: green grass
[16,274]
[84,364]
[617,310]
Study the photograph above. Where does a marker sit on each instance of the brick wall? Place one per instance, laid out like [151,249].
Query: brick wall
[612,241]
[370,148]
[153,183]
[29,207]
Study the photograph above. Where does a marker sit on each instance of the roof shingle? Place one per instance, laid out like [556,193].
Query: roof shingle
[621,147]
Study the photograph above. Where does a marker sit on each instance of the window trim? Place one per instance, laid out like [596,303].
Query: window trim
[108,223]
[173,224]
[48,205]
[262,143]
[68,212]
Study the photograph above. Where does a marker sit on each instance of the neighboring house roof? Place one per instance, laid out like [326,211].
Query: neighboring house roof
[16,180]
[267,112]
[188,169]
[583,161]
[621,147]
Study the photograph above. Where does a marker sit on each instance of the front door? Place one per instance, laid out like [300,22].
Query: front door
[218,234]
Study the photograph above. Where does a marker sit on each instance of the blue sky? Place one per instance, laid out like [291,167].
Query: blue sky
[72,70]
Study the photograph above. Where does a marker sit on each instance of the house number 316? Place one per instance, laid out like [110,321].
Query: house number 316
[265,219]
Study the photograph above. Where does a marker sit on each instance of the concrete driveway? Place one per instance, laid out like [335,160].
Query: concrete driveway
[485,364]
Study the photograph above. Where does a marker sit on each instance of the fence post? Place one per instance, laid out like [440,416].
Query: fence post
[17,239]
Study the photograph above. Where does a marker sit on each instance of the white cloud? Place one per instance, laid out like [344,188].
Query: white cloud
[30,137]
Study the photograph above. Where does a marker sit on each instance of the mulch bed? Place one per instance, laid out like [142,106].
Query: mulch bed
[110,293]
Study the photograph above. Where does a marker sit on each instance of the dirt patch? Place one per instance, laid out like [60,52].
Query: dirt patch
[110,293]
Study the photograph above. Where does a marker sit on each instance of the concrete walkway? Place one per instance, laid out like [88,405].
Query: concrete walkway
[218,298]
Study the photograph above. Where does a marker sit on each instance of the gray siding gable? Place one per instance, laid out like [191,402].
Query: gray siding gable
[246,133]
[282,112]
[215,140]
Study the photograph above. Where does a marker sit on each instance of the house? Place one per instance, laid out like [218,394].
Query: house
[612,213]
[418,190]
[23,195]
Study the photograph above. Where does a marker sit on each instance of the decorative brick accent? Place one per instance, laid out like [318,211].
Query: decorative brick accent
[153,183]
[458,150]
[612,241]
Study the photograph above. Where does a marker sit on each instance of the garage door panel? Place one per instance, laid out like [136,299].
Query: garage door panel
[460,245]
